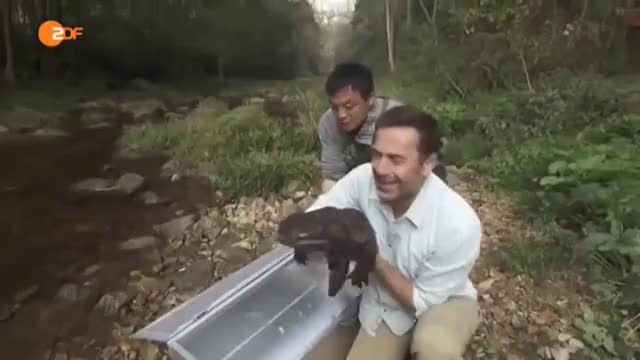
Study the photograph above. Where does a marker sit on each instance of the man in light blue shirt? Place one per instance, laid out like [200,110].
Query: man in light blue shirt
[419,298]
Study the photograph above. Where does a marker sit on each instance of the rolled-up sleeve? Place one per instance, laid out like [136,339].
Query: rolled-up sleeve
[447,270]
[332,163]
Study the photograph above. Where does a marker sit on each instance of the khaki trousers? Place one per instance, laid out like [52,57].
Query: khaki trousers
[441,333]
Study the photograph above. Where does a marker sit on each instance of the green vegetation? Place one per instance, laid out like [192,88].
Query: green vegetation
[542,98]
[252,154]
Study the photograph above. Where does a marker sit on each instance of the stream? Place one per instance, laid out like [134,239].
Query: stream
[53,240]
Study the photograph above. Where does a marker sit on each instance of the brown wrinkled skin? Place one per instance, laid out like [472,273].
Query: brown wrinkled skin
[343,235]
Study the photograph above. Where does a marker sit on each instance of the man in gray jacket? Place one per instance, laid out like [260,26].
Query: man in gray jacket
[346,129]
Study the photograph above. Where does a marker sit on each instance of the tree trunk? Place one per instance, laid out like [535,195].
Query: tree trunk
[389,35]
[9,71]
[220,68]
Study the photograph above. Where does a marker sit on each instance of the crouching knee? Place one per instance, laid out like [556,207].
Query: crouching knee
[436,346]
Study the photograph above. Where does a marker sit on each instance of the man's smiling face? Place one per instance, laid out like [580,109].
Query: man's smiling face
[399,169]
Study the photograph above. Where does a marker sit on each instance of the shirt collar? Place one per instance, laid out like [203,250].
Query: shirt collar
[418,209]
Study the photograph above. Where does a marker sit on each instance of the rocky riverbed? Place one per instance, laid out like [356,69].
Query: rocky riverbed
[98,241]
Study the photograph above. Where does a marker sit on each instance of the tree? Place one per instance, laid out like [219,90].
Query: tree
[9,71]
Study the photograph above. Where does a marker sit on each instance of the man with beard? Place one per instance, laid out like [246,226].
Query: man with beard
[420,299]
[345,130]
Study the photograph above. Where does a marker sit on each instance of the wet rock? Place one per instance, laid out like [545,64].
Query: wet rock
[171,116]
[139,243]
[100,125]
[7,311]
[150,198]
[26,294]
[49,132]
[100,115]
[89,271]
[22,119]
[110,304]
[72,293]
[93,185]
[145,110]
[174,228]
[130,183]
[198,273]
[99,104]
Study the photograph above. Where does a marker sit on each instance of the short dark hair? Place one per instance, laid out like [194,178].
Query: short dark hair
[410,116]
[352,74]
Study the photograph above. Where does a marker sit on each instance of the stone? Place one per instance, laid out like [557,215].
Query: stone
[130,183]
[196,274]
[72,293]
[110,304]
[139,243]
[26,293]
[49,132]
[93,185]
[145,110]
[91,270]
[174,228]
[3,129]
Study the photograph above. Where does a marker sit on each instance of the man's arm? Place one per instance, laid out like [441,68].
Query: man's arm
[332,162]
[346,191]
[446,271]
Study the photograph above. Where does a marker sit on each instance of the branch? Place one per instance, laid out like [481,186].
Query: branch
[526,71]
[426,12]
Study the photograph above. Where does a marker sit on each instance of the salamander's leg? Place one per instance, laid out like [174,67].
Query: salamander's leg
[338,268]
[359,276]
[300,256]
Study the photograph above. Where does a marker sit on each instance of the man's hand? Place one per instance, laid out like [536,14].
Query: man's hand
[398,285]
[326,185]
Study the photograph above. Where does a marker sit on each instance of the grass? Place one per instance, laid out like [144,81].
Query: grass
[251,153]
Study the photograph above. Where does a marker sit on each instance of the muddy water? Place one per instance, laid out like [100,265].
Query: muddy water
[49,237]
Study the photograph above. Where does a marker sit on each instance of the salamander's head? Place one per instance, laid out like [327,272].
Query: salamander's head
[297,227]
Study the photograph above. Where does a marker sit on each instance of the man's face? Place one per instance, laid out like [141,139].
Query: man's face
[398,168]
[350,108]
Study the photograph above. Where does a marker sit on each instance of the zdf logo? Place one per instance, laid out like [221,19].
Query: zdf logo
[51,33]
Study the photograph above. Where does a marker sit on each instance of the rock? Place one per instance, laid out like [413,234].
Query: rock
[130,183]
[100,125]
[139,243]
[197,274]
[72,293]
[150,352]
[171,116]
[3,129]
[175,177]
[287,208]
[150,198]
[24,119]
[49,132]
[306,202]
[174,228]
[145,110]
[93,185]
[110,304]
[103,103]
[99,115]
[7,311]
[91,270]
[26,294]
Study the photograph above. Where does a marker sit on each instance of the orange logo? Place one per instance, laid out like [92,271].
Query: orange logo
[51,33]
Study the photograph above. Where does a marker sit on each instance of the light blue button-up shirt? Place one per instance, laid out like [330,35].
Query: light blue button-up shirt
[434,244]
